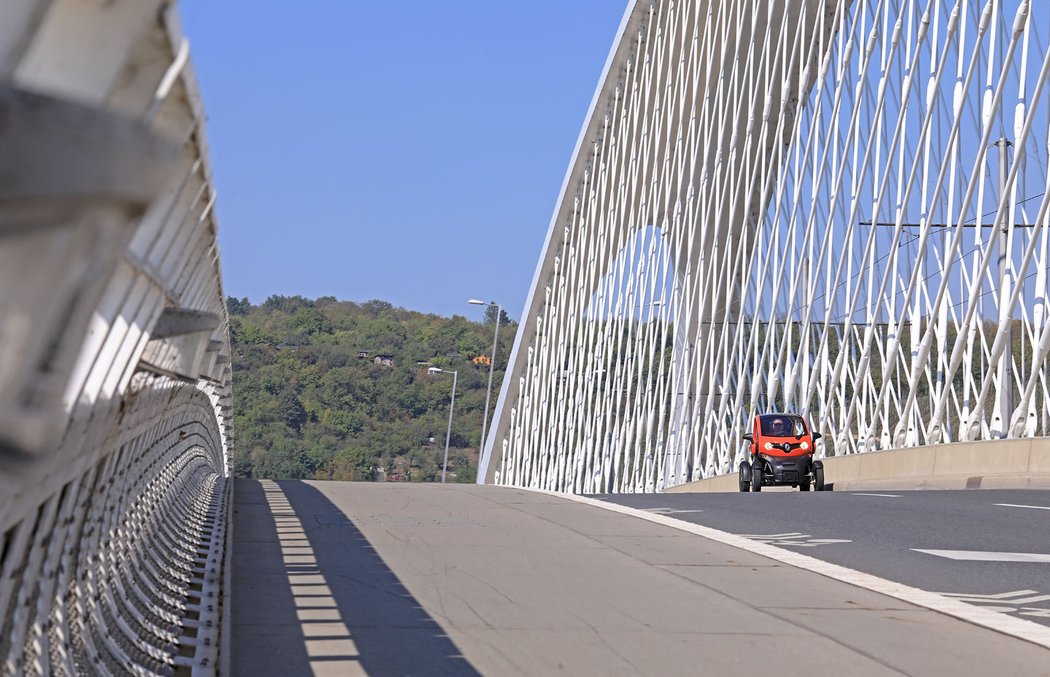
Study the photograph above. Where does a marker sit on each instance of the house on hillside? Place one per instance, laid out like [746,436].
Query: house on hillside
[362,354]
[385,360]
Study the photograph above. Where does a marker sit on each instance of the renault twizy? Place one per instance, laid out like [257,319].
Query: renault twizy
[782,449]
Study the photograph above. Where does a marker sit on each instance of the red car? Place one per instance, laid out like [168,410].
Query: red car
[782,449]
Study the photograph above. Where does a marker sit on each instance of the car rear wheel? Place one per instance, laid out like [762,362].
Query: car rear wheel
[756,477]
[818,477]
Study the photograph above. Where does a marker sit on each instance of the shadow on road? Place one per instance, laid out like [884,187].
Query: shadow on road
[312,596]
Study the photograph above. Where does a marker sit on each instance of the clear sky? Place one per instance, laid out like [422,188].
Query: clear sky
[406,151]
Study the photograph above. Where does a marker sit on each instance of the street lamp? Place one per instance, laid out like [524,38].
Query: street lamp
[451,405]
[492,365]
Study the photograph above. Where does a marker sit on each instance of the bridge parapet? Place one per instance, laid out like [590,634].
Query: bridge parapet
[115,376]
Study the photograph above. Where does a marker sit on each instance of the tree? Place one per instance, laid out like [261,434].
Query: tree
[311,321]
[360,462]
[490,316]
[376,307]
[310,402]
[237,306]
[286,304]
[290,410]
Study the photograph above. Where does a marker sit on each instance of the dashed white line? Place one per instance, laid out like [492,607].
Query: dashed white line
[882,495]
[1015,505]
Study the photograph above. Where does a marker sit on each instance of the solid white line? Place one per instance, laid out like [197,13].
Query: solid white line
[1014,505]
[882,495]
[1008,625]
[987,556]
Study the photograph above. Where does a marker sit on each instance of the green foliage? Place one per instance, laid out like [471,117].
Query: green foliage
[311,401]
[238,306]
[490,315]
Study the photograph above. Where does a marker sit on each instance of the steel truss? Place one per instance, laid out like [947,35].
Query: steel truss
[836,207]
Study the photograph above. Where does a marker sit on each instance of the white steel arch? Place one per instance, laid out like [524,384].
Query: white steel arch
[852,213]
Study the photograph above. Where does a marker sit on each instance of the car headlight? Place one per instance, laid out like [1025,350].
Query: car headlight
[805,445]
[769,446]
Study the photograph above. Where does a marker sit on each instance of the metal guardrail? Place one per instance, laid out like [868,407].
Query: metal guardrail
[115,400]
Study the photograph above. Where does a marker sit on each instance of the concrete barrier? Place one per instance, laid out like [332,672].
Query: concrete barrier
[989,464]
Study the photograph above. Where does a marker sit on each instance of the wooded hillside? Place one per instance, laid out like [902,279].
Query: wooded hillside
[329,389]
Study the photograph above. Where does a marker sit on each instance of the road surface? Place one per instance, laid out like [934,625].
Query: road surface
[398,579]
[990,548]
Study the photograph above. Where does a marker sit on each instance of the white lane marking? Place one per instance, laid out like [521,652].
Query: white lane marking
[882,495]
[1015,505]
[670,511]
[996,596]
[1013,602]
[1017,598]
[794,538]
[826,541]
[1009,625]
[982,556]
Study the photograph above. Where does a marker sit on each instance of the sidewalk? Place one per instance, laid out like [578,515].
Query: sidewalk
[359,578]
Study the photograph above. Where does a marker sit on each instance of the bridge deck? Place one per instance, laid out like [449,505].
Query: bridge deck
[342,578]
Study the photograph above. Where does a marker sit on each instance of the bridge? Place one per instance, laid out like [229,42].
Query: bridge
[832,207]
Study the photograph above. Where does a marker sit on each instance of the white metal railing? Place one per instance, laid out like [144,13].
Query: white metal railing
[115,430]
[834,207]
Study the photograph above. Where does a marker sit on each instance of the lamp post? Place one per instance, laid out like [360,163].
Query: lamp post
[492,365]
[451,405]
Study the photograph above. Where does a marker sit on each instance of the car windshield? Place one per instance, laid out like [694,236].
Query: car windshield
[782,425]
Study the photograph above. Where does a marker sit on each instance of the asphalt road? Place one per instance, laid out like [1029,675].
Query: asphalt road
[348,578]
[883,533]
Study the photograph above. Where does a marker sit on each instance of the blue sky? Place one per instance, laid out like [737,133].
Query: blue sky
[409,151]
